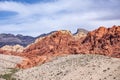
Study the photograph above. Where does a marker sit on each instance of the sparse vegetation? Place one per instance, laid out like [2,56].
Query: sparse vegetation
[8,76]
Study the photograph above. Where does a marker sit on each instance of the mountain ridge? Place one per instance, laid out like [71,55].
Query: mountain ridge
[12,40]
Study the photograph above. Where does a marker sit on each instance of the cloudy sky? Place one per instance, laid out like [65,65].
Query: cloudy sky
[34,17]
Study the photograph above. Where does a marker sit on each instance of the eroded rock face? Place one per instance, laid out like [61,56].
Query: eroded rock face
[104,41]
[56,44]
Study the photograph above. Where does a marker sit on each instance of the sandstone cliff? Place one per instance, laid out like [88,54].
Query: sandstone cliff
[104,41]
[55,44]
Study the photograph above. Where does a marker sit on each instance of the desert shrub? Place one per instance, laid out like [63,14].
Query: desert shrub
[8,76]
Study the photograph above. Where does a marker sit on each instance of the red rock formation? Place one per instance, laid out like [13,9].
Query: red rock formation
[56,44]
[32,61]
[105,41]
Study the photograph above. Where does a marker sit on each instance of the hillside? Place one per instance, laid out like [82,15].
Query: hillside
[74,67]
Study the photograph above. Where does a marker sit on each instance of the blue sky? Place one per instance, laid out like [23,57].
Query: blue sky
[34,17]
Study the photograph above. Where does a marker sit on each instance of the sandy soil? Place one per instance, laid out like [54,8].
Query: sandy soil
[74,67]
[7,62]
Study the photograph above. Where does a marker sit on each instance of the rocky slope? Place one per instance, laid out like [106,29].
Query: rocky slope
[8,66]
[58,43]
[104,41]
[8,62]
[100,41]
[74,67]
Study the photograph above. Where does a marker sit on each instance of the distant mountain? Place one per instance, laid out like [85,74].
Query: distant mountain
[45,34]
[79,30]
[10,39]
[80,33]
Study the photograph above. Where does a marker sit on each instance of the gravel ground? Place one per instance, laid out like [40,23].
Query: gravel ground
[74,67]
[7,62]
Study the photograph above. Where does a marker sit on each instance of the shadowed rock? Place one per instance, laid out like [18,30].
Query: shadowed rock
[104,41]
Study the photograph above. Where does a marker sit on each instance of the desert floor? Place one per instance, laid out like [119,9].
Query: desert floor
[74,67]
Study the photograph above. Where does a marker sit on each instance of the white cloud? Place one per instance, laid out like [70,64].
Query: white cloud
[34,19]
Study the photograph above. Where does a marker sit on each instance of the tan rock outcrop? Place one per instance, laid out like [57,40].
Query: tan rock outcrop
[15,48]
